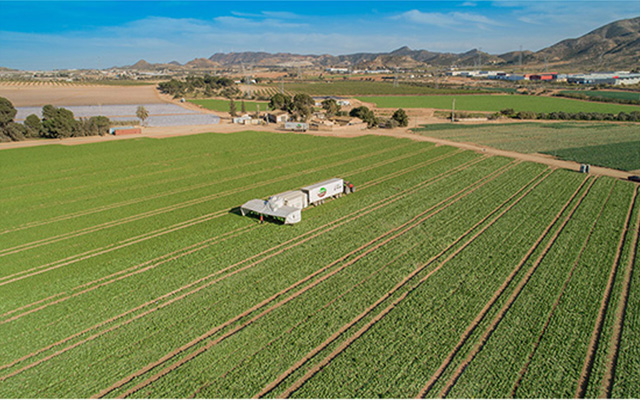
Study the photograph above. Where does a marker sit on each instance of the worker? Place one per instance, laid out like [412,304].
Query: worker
[261,218]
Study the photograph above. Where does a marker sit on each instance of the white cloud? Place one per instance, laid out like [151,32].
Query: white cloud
[469,4]
[252,23]
[447,20]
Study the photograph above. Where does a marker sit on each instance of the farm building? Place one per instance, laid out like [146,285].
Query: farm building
[546,76]
[350,121]
[278,116]
[124,130]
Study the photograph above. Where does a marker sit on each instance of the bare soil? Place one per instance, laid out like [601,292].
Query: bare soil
[43,94]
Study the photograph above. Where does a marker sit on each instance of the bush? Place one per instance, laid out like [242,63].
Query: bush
[526,115]
[400,116]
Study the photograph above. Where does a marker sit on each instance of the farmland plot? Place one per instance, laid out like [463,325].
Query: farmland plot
[156,286]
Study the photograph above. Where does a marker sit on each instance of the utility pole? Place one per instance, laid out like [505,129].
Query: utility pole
[520,59]
[453,111]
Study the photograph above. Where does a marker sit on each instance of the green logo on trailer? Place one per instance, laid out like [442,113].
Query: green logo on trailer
[322,192]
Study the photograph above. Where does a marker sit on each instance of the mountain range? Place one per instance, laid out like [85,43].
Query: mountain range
[613,46]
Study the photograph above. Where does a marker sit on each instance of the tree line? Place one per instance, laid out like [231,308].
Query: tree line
[207,86]
[56,122]
[633,116]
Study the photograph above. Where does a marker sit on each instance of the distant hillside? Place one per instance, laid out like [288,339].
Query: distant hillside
[616,45]
[613,46]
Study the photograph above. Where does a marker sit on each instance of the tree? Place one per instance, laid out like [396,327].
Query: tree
[7,112]
[58,122]
[280,101]
[15,131]
[142,114]
[232,108]
[243,108]
[330,107]
[401,117]
[302,105]
[365,114]
[33,126]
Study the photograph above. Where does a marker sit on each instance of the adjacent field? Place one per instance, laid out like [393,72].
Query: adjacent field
[497,103]
[363,88]
[605,94]
[223,105]
[127,271]
[38,94]
[607,145]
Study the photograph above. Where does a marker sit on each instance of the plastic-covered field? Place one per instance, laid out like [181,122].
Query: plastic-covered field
[159,114]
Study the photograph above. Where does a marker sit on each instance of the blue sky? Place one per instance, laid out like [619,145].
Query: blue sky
[77,34]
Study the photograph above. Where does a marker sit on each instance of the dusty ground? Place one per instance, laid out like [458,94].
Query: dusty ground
[22,95]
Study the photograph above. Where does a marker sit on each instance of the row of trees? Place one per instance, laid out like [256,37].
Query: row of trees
[207,86]
[398,119]
[56,122]
[633,116]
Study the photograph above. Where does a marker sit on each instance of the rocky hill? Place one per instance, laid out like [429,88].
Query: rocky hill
[613,46]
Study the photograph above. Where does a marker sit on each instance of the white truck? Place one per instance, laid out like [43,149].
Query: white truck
[287,206]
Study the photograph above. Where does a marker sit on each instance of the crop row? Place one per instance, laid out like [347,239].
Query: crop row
[408,342]
[107,255]
[199,202]
[350,262]
[514,339]
[149,280]
[402,244]
[229,286]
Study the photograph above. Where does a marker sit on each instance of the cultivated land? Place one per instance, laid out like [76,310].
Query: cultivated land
[498,102]
[354,87]
[223,105]
[26,94]
[127,271]
[618,95]
[604,144]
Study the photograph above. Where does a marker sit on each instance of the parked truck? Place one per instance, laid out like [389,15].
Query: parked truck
[286,207]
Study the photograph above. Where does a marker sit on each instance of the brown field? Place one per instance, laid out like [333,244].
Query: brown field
[38,94]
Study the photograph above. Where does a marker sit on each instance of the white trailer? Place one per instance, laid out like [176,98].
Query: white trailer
[294,198]
[287,206]
[321,191]
[296,126]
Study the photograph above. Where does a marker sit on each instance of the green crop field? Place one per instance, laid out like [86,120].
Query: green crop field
[618,95]
[223,105]
[353,87]
[127,271]
[606,145]
[497,102]
[624,156]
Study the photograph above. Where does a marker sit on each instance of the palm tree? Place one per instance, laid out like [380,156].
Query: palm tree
[143,114]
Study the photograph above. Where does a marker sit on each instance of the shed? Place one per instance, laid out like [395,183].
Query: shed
[278,116]
[124,130]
